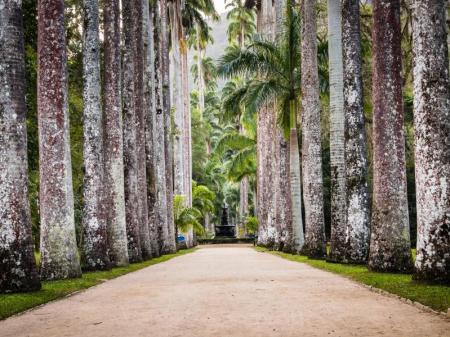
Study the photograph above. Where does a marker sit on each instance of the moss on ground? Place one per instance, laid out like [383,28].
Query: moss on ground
[431,295]
[11,304]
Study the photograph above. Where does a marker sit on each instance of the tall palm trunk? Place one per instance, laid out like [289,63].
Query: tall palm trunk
[113,137]
[150,112]
[140,129]
[59,256]
[337,129]
[95,237]
[295,183]
[311,151]
[357,194]
[18,270]
[266,144]
[130,148]
[432,139]
[187,121]
[170,246]
[282,150]
[158,139]
[390,248]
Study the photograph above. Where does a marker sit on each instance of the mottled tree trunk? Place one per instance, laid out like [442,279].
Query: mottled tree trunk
[113,141]
[337,127]
[432,140]
[357,194]
[170,245]
[59,255]
[390,243]
[159,149]
[266,142]
[18,270]
[130,148]
[311,149]
[150,112]
[95,237]
[140,129]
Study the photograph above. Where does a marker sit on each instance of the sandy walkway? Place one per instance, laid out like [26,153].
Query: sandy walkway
[225,292]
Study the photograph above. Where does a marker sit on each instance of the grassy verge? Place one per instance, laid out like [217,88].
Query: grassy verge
[434,296]
[11,304]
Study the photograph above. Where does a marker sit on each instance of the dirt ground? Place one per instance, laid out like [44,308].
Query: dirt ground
[225,292]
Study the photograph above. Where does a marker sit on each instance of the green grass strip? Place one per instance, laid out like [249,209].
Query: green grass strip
[11,304]
[434,296]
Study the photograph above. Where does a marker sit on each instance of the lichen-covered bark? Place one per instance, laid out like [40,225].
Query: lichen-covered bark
[18,270]
[390,248]
[59,256]
[158,138]
[432,140]
[170,244]
[337,127]
[357,194]
[266,143]
[140,129]
[130,148]
[298,237]
[113,138]
[150,112]
[284,203]
[95,238]
[311,151]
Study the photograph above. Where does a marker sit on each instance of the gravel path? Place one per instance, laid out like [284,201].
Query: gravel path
[227,292]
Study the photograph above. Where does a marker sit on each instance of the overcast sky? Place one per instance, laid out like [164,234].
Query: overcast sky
[220,6]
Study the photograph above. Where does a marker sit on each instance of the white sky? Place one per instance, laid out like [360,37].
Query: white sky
[220,6]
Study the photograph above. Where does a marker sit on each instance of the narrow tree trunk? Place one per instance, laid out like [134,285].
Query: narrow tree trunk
[150,113]
[140,130]
[295,184]
[113,141]
[18,270]
[59,255]
[312,154]
[357,194]
[337,129]
[95,237]
[170,245]
[390,248]
[432,139]
[130,148]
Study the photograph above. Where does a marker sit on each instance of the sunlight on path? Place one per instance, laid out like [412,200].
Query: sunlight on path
[227,291]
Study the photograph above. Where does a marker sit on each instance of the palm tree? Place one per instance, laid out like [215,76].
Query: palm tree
[130,147]
[241,22]
[158,140]
[170,244]
[357,194]
[276,71]
[113,137]
[432,139]
[59,255]
[337,127]
[150,130]
[390,248]
[95,243]
[311,151]
[138,25]
[17,263]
